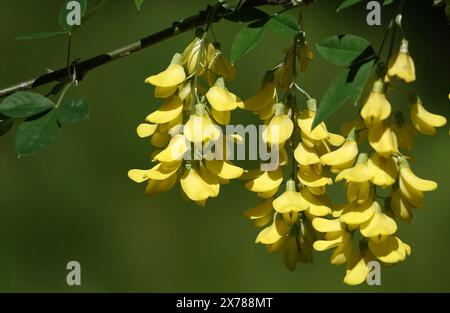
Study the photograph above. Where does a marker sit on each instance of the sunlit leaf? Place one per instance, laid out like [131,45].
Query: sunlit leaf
[347,86]
[284,25]
[342,50]
[246,40]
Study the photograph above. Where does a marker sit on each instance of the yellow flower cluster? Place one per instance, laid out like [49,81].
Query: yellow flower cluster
[302,217]
[287,218]
[295,214]
[187,121]
[383,168]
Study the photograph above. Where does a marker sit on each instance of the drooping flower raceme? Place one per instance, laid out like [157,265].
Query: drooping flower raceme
[187,121]
[383,170]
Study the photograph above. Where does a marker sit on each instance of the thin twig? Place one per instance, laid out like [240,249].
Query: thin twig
[83,67]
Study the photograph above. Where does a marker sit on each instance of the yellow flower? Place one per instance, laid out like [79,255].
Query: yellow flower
[199,185]
[335,237]
[359,192]
[390,251]
[383,140]
[318,205]
[359,173]
[305,155]
[268,111]
[415,182]
[384,170]
[379,226]
[224,169]
[219,66]
[199,128]
[196,53]
[290,200]
[261,214]
[160,172]
[345,155]
[305,121]
[377,108]
[221,117]
[146,130]
[355,214]
[357,268]
[411,186]
[342,253]
[312,176]
[274,232]
[358,179]
[401,208]
[324,225]
[175,151]
[171,77]
[280,128]
[156,186]
[266,181]
[170,110]
[403,65]
[164,92]
[265,96]
[424,121]
[221,99]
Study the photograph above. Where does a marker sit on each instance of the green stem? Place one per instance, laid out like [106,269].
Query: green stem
[69,51]
[63,93]
[194,80]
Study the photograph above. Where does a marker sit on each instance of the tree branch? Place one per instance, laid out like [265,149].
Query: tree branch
[79,69]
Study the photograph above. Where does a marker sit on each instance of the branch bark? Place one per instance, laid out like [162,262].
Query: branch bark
[81,68]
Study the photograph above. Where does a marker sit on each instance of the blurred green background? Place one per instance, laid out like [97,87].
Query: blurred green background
[73,201]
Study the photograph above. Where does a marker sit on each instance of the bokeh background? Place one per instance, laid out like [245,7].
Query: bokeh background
[74,201]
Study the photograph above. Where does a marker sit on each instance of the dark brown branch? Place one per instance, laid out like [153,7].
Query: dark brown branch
[80,69]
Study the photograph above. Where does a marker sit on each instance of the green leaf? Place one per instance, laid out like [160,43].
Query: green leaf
[138,3]
[246,40]
[63,13]
[284,25]
[347,86]
[342,50]
[347,4]
[5,126]
[42,35]
[388,2]
[33,136]
[72,111]
[25,104]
